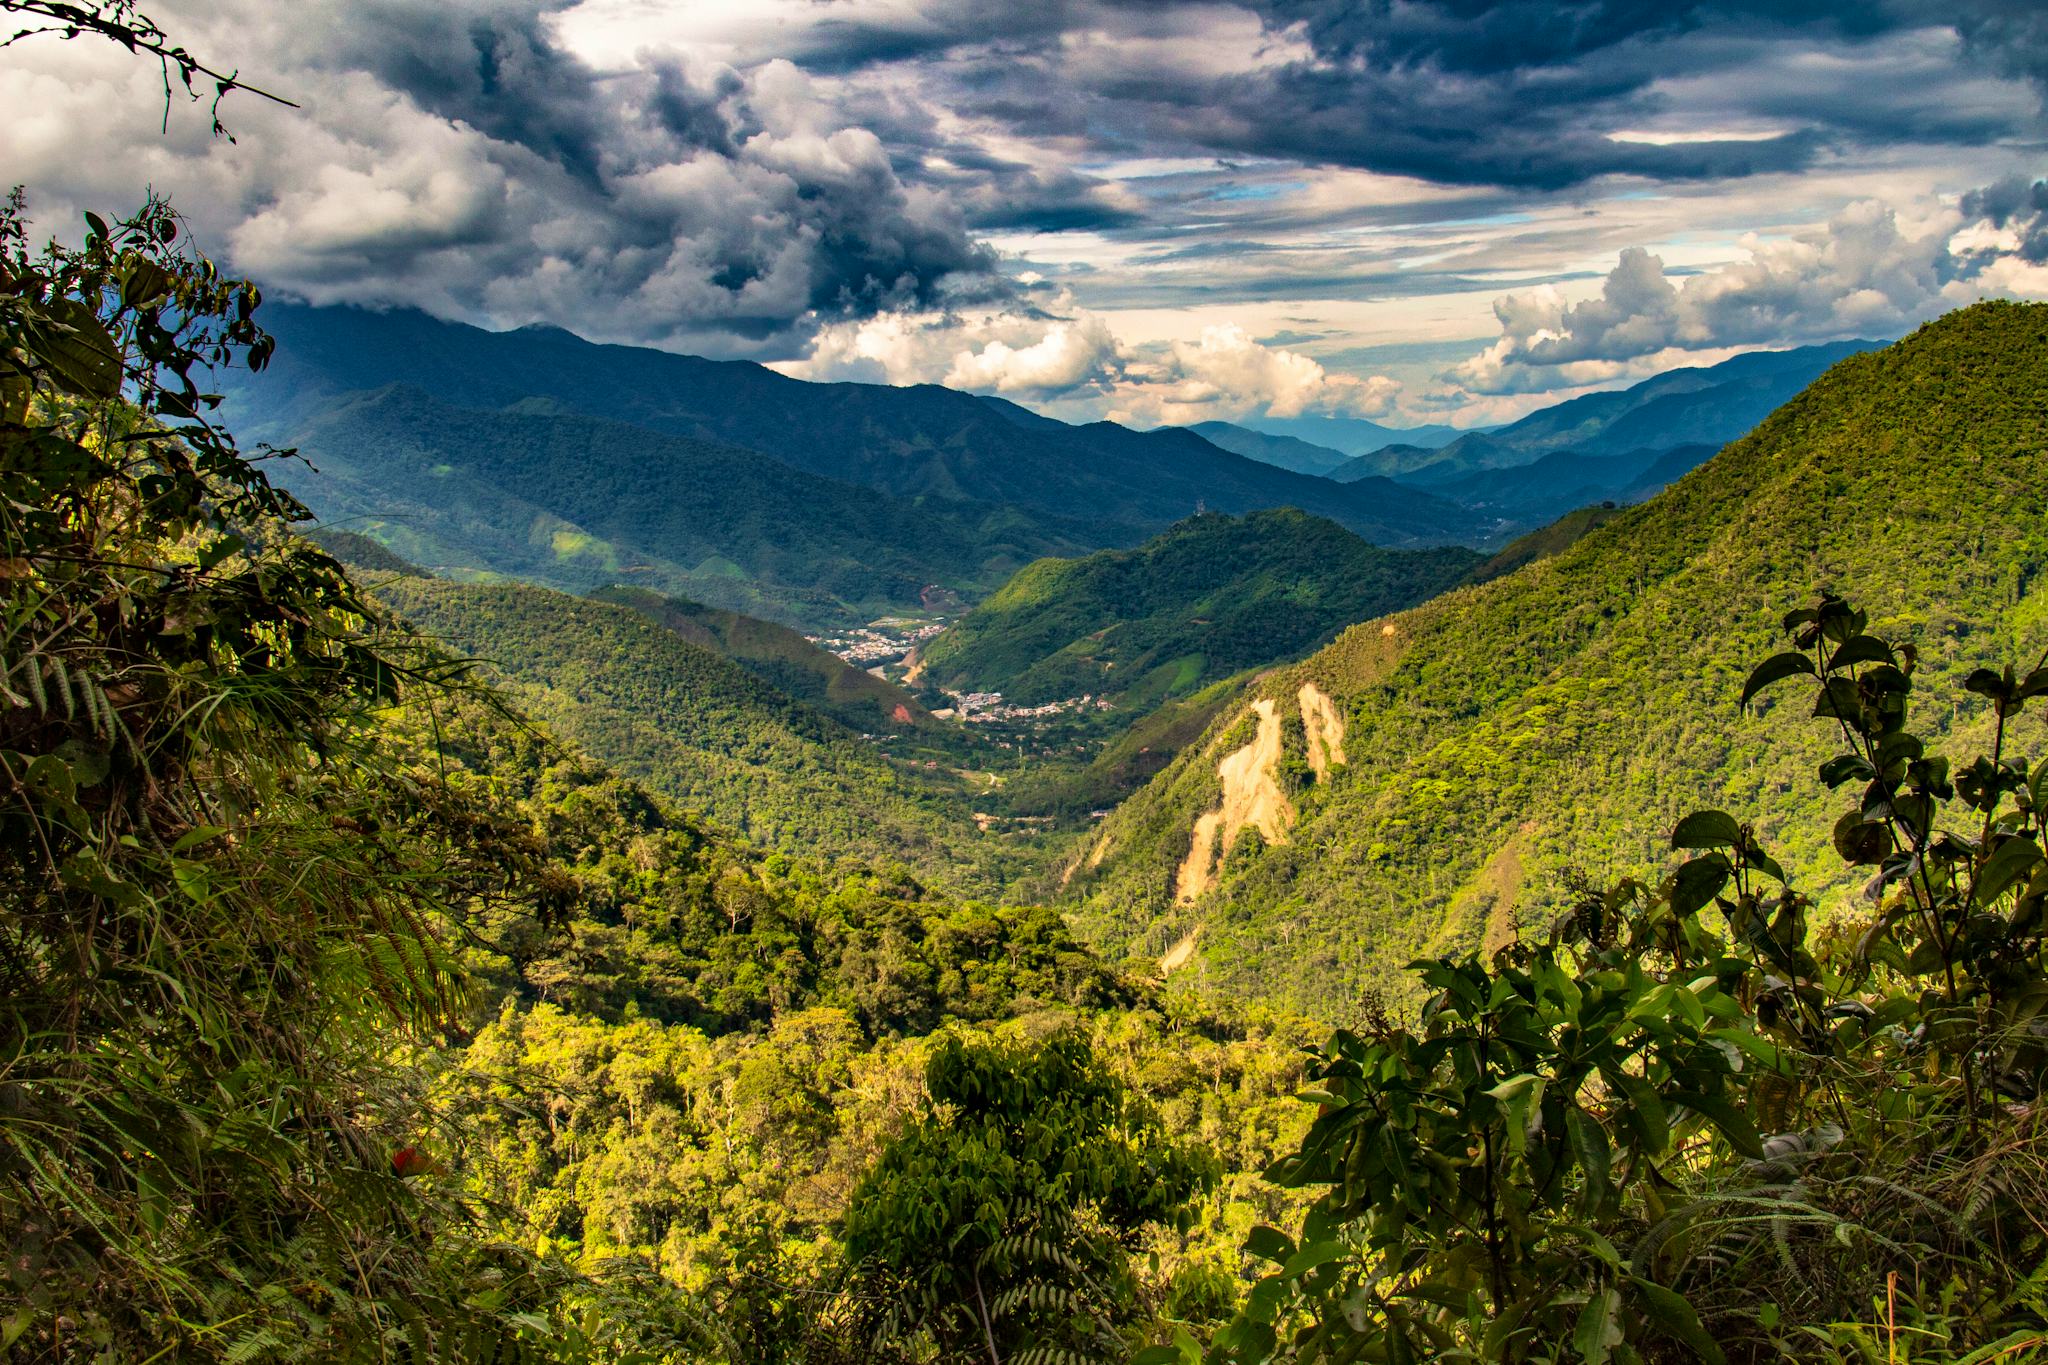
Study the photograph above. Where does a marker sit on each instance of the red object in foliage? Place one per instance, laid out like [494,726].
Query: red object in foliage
[409,1161]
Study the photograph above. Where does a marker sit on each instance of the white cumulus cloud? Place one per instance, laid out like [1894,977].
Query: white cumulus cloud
[1871,271]
[1070,361]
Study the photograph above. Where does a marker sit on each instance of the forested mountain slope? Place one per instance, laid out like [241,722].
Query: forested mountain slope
[1564,716]
[578,502]
[704,732]
[923,441]
[695,1068]
[1208,598]
[782,657]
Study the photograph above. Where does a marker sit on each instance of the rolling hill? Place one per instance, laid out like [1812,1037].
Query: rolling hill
[704,732]
[917,442]
[1353,435]
[1210,597]
[1284,452]
[1430,780]
[1564,480]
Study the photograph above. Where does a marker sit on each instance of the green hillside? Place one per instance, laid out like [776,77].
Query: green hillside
[1563,716]
[1210,597]
[781,657]
[577,502]
[704,732]
[1544,541]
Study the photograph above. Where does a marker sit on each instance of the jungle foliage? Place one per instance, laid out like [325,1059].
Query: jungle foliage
[1566,715]
[219,907]
[1210,597]
[349,1016]
[1692,1123]
[705,732]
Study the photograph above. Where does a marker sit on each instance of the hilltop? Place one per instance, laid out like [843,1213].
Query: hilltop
[1479,746]
[1285,452]
[783,658]
[1708,405]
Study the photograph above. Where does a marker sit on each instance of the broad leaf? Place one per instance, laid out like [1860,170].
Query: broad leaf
[1706,829]
[1775,668]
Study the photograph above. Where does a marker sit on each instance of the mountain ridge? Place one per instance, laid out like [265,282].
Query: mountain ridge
[919,440]
[1565,714]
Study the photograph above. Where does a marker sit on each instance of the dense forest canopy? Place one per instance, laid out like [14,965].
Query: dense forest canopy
[402,968]
[1563,717]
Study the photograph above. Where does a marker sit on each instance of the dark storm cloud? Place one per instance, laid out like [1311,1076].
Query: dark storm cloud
[2019,206]
[686,204]
[757,172]
[494,68]
[1513,93]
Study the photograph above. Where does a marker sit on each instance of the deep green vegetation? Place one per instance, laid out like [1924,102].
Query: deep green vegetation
[1543,542]
[1213,596]
[783,658]
[703,731]
[215,897]
[350,1015]
[1566,715]
[349,1018]
[542,493]
[1687,1123]
[1004,1217]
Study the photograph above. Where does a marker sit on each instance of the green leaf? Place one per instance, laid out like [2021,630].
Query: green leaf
[1313,1255]
[1775,668]
[1861,842]
[1862,649]
[74,349]
[1268,1244]
[142,281]
[1733,1123]
[1671,1312]
[1643,1109]
[1698,882]
[192,879]
[89,764]
[1599,1327]
[196,836]
[1846,768]
[1707,829]
[1160,1355]
[1589,1145]
[2011,860]
[1989,683]
[1839,700]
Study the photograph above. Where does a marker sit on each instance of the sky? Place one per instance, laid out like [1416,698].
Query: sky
[1412,211]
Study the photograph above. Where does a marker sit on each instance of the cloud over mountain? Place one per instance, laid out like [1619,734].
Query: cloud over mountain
[1102,205]
[1865,274]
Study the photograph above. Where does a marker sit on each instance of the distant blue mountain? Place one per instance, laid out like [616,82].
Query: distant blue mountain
[1354,435]
[1709,405]
[1285,452]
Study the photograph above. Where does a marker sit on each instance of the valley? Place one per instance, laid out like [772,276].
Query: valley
[1045,733]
